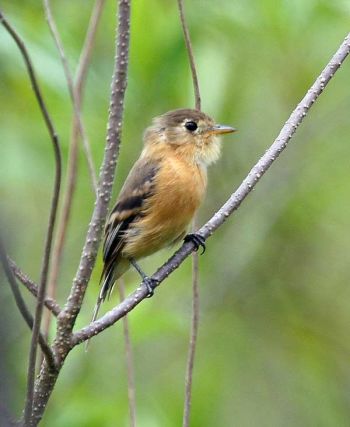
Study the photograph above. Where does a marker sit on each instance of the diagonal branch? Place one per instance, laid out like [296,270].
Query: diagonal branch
[232,203]
[32,287]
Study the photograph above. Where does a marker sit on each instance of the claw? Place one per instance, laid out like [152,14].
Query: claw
[150,285]
[197,240]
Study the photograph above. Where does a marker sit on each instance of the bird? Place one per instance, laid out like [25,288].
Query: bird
[161,194]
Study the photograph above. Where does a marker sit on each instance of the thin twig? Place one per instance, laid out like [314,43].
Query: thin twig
[193,336]
[84,62]
[86,53]
[232,203]
[190,55]
[22,307]
[52,217]
[32,287]
[128,360]
[76,105]
[195,266]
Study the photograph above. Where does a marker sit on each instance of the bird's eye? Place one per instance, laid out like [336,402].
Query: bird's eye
[191,126]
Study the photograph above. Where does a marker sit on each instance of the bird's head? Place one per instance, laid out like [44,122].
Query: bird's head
[190,132]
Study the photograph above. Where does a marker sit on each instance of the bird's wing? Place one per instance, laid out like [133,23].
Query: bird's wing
[139,185]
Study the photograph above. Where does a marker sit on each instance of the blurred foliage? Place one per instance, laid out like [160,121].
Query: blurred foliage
[273,347]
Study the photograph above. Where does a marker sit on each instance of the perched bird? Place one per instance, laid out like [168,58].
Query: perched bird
[161,193]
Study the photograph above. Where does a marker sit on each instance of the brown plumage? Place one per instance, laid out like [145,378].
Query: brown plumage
[162,191]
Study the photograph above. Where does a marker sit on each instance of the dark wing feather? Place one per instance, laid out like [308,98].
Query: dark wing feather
[138,186]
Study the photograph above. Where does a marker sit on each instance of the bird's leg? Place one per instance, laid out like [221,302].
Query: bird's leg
[147,281]
[197,240]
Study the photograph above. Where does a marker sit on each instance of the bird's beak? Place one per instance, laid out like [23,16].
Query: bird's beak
[221,129]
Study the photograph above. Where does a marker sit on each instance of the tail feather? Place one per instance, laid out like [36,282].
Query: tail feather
[94,317]
[111,272]
[106,289]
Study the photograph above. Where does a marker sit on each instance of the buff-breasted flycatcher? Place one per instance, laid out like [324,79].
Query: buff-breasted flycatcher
[161,194]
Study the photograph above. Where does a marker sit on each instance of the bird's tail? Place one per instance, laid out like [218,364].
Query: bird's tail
[94,317]
[109,276]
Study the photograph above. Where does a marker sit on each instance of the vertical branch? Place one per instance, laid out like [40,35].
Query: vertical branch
[190,55]
[195,269]
[84,62]
[128,360]
[94,233]
[193,337]
[52,217]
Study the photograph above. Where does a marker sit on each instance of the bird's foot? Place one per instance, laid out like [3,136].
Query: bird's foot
[150,285]
[197,240]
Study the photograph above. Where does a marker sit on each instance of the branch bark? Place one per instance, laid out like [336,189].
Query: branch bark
[231,204]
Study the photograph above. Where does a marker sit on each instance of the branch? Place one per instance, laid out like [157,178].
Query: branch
[32,287]
[190,55]
[84,62]
[232,203]
[22,307]
[76,104]
[93,237]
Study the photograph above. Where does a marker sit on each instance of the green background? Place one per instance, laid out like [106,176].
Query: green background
[273,346]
